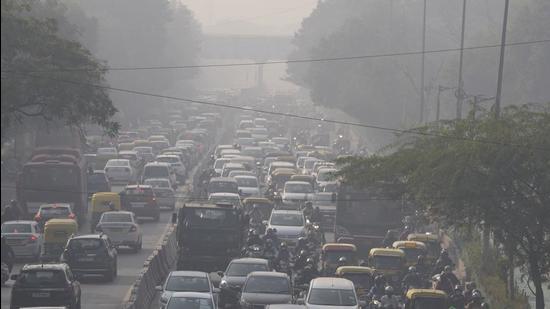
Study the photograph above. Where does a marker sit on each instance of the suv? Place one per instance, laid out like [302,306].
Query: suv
[159,170]
[91,254]
[45,285]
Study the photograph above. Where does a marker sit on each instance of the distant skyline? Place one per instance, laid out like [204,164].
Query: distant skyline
[250,17]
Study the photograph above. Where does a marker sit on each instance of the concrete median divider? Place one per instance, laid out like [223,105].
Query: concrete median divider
[155,269]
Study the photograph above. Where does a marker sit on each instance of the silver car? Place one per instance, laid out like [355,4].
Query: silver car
[265,288]
[24,237]
[328,292]
[185,281]
[290,225]
[164,192]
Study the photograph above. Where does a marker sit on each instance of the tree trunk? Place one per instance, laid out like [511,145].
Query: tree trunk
[537,282]
[511,277]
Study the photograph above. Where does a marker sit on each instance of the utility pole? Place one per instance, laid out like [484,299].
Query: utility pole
[440,89]
[422,103]
[501,62]
[460,90]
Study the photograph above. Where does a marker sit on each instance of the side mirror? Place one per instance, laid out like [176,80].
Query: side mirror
[174,218]
[14,277]
[300,301]
[158,288]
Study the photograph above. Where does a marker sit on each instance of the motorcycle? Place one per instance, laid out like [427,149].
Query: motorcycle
[5,273]
[254,251]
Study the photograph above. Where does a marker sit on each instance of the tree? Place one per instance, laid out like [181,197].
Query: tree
[484,172]
[32,44]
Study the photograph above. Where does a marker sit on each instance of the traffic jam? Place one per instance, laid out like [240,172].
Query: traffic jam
[262,219]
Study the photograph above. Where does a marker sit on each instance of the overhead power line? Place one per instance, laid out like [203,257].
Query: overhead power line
[415,131]
[312,60]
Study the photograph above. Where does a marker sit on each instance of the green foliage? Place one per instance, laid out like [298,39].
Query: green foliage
[32,44]
[484,172]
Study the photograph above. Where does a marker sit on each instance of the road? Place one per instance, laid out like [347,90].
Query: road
[99,294]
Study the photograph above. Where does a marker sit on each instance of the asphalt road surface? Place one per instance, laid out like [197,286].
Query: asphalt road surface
[96,293]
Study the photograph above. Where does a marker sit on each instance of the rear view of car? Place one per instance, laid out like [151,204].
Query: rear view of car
[122,228]
[141,200]
[53,211]
[164,193]
[119,170]
[24,238]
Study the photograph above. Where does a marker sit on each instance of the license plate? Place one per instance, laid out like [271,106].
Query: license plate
[86,259]
[40,295]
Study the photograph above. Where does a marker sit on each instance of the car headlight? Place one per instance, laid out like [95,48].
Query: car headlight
[223,284]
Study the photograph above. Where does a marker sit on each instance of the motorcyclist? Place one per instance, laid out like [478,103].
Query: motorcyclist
[301,244]
[307,273]
[446,281]
[443,261]
[389,300]
[270,251]
[476,301]
[377,290]
[412,279]
[421,267]
[253,238]
[8,256]
[449,275]
[316,216]
[470,287]
[308,210]
[389,239]
[271,233]
[255,215]
[457,299]
[283,254]
[406,231]
[342,261]
[301,259]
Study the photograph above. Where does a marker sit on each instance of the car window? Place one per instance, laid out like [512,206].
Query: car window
[190,303]
[156,171]
[86,244]
[285,219]
[268,285]
[332,297]
[117,163]
[54,211]
[298,188]
[145,192]
[42,278]
[243,269]
[16,228]
[157,183]
[116,217]
[246,182]
[187,284]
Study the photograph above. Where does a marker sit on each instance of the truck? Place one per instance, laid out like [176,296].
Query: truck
[209,236]
[364,215]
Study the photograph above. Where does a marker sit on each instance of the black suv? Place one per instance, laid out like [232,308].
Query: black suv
[45,285]
[91,255]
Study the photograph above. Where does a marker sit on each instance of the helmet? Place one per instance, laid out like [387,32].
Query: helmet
[420,258]
[458,288]
[476,295]
[379,280]
[484,306]
[389,290]
[444,252]
[303,252]
[13,203]
[283,245]
[342,260]
[309,204]
[310,261]
[471,285]
[412,269]
[447,269]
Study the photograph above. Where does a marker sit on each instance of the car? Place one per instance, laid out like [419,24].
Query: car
[226,152]
[158,146]
[45,285]
[119,170]
[264,288]
[159,170]
[141,200]
[164,193]
[325,176]
[92,254]
[24,237]
[297,191]
[191,300]
[145,152]
[308,165]
[219,149]
[234,277]
[122,229]
[248,185]
[256,152]
[185,281]
[223,184]
[51,211]
[226,198]
[246,141]
[219,163]
[228,167]
[98,182]
[329,292]
[176,163]
[259,133]
[290,225]
[133,156]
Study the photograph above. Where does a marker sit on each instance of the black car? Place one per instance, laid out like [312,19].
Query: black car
[45,285]
[91,255]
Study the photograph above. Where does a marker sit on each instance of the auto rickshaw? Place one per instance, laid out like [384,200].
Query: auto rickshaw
[306,178]
[361,276]
[332,252]
[412,250]
[280,176]
[432,243]
[103,202]
[425,299]
[56,234]
[389,262]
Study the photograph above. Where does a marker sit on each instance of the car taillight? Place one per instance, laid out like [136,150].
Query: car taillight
[133,228]
[72,216]
[33,238]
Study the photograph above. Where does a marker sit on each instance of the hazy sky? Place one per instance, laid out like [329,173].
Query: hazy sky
[251,17]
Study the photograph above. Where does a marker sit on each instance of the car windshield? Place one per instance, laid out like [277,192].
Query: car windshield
[268,285]
[106,151]
[246,182]
[160,183]
[117,163]
[332,297]
[285,219]
[143,149]
[387,262]
[363,281]
[168,159]
[187,284]
[219,163]
[189,303]
[42,278]
[86,244]
[54,211]
[222,186]
[212,217]
[139,191]
[325,175]
[16,228]
[298,188]
[233,200]
[243,269]
[254,152]
[429,303]
[156,171]
[116,217]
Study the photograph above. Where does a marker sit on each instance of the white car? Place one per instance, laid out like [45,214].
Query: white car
[180,300]
[248,185]
[122,228]
[185,281]
[297,191]
[164,193]
[219,163]
[290,225]
[329,292]
[308,165]
[119,170]
[225,198]
[24,237]
[109,151]
[324,176]
[175,162]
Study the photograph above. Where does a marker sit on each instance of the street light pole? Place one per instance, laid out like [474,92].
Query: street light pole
[422,103]
[501,62]
[439,89]
[460,93]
